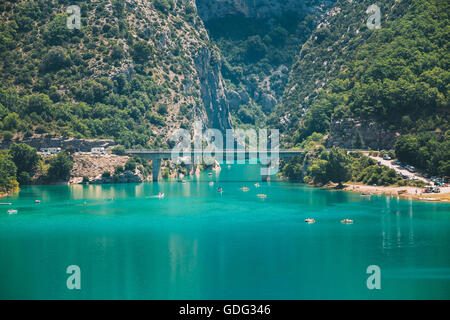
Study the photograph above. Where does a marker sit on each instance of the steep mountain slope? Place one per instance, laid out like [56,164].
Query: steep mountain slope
[258,41]
[135,71]
[365,87]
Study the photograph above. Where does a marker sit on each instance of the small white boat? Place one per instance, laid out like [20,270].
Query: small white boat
[161,195]
[347,221]
[12,211]
[310,221]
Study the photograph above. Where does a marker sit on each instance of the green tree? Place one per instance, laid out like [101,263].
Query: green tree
[8,172]
[141,51]
[406,148]
[255,48]
[60,167]
[55,59]
[26,160]
[39,103]
[339,166]
[130,165]
[11,121]
[318,171]
[118,150]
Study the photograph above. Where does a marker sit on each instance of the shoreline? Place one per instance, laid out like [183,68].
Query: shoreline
[407,192]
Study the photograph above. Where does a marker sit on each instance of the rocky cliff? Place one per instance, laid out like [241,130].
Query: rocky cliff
[215,102]
[358,134]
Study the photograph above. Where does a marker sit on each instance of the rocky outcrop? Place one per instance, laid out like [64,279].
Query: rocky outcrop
[268,102]
[208,65]
[39,142]
[355,134]
[92,166]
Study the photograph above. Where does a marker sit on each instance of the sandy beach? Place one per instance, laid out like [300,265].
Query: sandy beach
[414,193]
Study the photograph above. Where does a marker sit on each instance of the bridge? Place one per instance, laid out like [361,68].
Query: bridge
[229,156]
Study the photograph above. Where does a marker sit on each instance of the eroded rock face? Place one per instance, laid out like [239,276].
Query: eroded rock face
[207,64]
[211,9]
[268,102]
[349,133]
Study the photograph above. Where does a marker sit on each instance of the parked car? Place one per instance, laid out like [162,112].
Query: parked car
[436,190]
[428,190]
[397,163]
[386,157]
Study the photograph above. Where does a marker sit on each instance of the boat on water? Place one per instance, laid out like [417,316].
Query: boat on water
[347,221]
[219,190]
[257,185]
[37,201]
[245,189]
[210,174]
[12,211]
[262,196]
[161,195]
[211,183]
[310,221]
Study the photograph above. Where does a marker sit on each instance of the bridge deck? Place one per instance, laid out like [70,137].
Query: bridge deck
[166,151]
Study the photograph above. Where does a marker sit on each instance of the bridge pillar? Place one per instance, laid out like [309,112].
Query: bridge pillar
[156,169]
[265,172]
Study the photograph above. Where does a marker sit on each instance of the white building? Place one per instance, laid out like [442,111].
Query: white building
[50,150]
[99,150]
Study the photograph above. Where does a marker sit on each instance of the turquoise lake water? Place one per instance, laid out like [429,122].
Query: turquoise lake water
[199,244]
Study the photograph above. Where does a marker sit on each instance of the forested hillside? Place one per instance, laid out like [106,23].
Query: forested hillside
[133,72]
[396,76]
